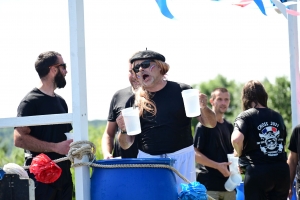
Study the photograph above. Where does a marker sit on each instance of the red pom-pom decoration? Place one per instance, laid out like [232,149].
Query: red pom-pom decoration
[44,169]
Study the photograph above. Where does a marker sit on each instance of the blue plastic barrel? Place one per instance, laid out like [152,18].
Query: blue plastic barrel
[294,195]
[240,192]
[133,183]
[2,172]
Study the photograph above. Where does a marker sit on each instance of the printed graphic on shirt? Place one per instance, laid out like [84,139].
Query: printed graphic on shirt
[271,143]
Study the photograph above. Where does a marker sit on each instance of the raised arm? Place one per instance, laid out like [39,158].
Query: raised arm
[207,117]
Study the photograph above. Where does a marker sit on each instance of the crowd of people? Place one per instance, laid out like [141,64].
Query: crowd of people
[257,136]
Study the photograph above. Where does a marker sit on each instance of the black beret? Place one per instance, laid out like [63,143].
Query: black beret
[147,54]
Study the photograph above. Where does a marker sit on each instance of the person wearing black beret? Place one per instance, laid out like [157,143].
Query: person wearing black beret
[165,128]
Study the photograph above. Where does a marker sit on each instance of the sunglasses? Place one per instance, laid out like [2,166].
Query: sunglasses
[145,64]
[64,65]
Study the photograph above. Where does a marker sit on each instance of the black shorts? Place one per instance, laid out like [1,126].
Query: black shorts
[267,181]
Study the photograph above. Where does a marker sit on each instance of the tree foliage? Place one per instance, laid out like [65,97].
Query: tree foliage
[280,100]
[279,97]
[11,154]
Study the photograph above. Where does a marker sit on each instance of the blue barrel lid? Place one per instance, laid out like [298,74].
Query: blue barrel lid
[162,161]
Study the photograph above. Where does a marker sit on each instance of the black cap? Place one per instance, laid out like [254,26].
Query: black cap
[147,54]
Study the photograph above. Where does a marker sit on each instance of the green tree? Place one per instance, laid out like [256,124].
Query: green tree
[280,100]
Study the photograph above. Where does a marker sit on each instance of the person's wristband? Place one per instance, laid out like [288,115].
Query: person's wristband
[123,132]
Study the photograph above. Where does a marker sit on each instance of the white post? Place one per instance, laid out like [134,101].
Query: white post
[80,120]
[294,66]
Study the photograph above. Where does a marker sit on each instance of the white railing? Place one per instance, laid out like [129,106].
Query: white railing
[36,120]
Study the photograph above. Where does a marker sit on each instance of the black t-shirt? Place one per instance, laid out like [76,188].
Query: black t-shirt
[264,136]
[293,146]
[116,105]
[38,103]
[215,144]
[170,129]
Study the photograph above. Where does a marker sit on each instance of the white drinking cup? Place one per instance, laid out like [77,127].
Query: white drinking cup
[191,102]
[233,167]
[132,120]
[233,181]
[69,136]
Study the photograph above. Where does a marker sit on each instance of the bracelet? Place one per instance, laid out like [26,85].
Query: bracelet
[123,132]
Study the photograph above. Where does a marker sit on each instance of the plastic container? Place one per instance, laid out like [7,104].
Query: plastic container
[191,102]
[233,167]
[233,181]
[2,172]
[240,192]
[132,120]
[294,195]
[134,183]
[69,136]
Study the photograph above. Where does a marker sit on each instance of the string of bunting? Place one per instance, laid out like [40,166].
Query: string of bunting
[282,7]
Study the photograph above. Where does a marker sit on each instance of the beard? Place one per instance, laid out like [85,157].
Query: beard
[60,80]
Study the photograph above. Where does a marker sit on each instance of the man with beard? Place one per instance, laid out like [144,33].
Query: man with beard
[212,146]
[47,139]
[110,148]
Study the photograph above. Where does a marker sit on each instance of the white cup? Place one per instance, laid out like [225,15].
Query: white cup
[233,181]
[233,167]
[69,136]
[191,102]
[132,120]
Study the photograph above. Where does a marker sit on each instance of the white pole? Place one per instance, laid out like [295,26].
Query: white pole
[79,95]
[294,66]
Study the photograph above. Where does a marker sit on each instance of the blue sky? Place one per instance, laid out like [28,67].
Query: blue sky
[207,38]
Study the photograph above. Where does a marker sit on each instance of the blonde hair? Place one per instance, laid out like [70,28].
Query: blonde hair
[143,97]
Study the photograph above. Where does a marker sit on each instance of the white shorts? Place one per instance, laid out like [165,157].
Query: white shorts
[184,164]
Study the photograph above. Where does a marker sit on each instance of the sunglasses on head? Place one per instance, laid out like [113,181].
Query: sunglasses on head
[145,64]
